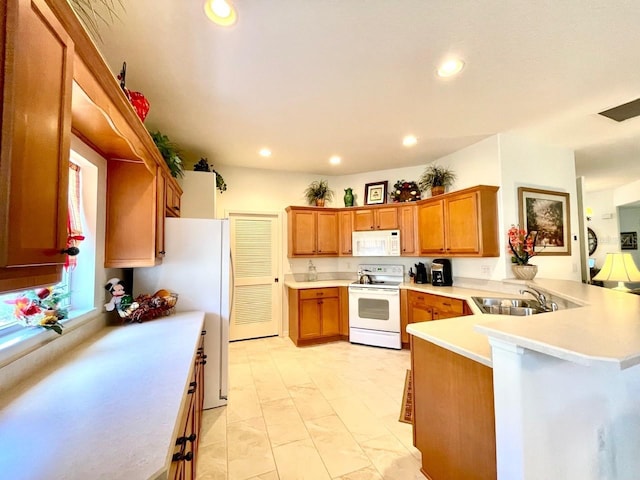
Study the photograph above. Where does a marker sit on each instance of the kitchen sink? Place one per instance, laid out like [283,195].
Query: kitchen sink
[508,306]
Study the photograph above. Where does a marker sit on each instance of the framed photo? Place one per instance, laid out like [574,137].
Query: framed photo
[629,241]
[375,193]
[546,212]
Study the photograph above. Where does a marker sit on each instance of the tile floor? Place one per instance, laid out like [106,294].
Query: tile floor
[322,412]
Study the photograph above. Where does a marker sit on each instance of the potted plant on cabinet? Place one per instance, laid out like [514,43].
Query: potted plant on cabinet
[169,152]
[318,192]
[436,178]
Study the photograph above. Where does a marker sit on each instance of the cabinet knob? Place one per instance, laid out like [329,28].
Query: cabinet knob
[204,332]
[203,362]
[162,252]
[71,251]
[176,207]
[183,440]
[371,227]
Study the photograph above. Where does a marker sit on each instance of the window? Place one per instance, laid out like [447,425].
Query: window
[79,280]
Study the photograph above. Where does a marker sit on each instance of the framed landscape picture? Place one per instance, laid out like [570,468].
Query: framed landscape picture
[375,193]
[629,241]
[547,213]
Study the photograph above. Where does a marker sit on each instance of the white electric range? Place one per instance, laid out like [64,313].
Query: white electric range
[374,307]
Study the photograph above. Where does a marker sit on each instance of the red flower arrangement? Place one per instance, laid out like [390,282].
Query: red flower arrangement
[40,308]
[522,245]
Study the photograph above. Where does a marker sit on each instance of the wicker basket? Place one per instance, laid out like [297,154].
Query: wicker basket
[146,307]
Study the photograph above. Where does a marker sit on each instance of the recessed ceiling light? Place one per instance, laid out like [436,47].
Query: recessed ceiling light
[450,67]
[409,141]
[220,12]
[265,152]
[335,160]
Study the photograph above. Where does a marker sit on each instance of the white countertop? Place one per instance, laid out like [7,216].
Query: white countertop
[108,409]
[605,329]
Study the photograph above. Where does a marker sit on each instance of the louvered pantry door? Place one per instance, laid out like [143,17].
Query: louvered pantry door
[254,249]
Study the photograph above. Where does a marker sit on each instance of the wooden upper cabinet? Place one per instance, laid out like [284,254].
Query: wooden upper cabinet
[327,233]
[36,75]
[408,237]
[131,236]
[382,218]
[312,232]
[173,194]
[346,228]
[463,223]
[431,228]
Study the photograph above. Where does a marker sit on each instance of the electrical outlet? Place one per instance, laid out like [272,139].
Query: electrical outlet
[485,270]
[575,267]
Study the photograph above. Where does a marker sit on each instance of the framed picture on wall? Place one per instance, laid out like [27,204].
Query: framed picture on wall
[629,241]
[375,193]
[547,213]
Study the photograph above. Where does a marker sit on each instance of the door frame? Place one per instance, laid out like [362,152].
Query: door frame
[277,216]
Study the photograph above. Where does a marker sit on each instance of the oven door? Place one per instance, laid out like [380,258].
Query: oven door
[374,308]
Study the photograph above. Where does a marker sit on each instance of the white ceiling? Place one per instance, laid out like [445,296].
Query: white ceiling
[315,78]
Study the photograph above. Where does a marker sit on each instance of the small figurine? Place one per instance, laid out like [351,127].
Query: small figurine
[115,287]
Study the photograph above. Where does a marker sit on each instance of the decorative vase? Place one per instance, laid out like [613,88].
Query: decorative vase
[525,272]
[348,197]
[319,202]
[437,190]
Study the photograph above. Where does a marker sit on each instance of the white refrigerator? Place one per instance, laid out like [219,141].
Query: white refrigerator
[197,266]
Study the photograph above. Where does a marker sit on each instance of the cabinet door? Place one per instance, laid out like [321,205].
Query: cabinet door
[407,215]
[363,220]
[461,220]
[418,309]
[161,206]
[330,316]
[302,233]
[431,227]
[346,228]
[327,233]
[386,218]
[36,130]
[310,320]
[130,237]
[172,205]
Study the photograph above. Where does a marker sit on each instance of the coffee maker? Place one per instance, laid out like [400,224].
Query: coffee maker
[421,273]
[441,275]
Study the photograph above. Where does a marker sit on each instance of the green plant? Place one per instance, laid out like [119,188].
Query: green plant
[318,190]
[436,176]
[203,166]
[169,152]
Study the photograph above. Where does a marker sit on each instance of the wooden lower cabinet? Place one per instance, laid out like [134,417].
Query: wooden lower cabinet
[315,315]
[423,307]
[183,465]
[454,418]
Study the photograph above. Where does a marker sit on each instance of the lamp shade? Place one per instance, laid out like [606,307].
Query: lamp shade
[619,267]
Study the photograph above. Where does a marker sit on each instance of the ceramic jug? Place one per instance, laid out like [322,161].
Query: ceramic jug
[348,197]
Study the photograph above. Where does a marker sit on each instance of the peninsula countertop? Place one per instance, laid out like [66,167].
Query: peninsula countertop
[604,327]
[108,409]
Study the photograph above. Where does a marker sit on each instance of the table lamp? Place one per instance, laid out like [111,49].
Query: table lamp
[619,267]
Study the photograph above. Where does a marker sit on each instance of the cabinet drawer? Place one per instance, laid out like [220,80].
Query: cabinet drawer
[310,293]
[418,298]
[445,304]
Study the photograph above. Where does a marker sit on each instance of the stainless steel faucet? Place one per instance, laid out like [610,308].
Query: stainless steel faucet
[539,296]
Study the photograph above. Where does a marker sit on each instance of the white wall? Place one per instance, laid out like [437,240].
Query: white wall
[525,163]
[504,160]
[604,223]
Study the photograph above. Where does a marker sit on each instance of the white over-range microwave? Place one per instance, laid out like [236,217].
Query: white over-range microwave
[376,243]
